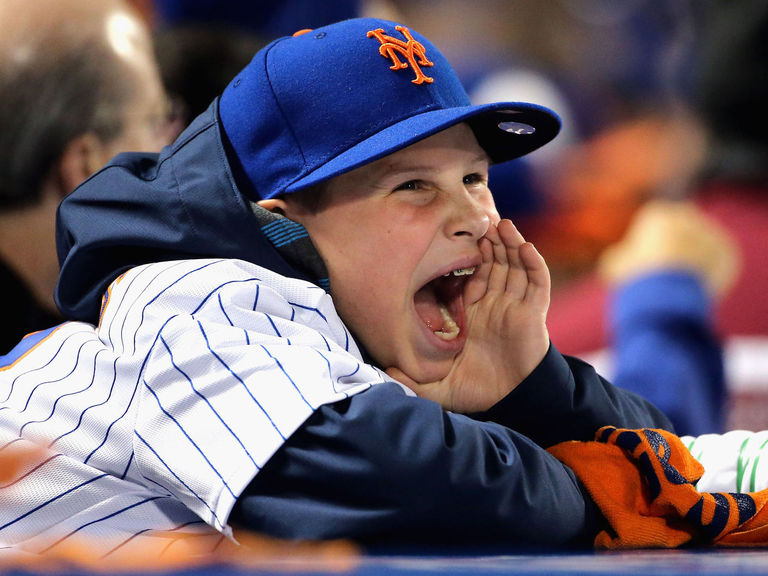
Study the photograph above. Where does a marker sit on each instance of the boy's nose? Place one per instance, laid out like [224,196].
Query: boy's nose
[469,217]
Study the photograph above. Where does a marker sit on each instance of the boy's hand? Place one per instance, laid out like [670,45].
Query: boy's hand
[506,305]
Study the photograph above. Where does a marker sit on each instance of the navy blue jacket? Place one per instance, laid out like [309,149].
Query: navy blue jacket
[382,468]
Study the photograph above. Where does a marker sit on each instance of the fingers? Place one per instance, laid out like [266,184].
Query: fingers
[478,282]
[539,281]
[514,268]
[511,266]
[518,268]
[502,255]
[517,280]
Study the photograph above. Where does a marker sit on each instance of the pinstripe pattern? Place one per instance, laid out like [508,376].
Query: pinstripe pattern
[160,416]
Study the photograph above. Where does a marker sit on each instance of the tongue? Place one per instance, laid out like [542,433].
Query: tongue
[435,314]
[428,308]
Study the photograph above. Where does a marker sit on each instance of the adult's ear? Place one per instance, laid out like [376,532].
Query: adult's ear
[82,157]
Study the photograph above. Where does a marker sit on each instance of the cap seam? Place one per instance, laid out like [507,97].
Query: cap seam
[283,184]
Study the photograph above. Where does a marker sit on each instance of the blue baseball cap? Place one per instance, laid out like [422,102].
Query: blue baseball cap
[322,102]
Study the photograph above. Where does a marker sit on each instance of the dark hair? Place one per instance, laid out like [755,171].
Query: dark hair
[50,95]
[198,61]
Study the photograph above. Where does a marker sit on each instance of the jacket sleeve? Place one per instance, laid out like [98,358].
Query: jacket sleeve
[565,399]
[387,469]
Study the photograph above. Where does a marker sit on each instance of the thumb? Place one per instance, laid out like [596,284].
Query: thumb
[431,391]
[400,376]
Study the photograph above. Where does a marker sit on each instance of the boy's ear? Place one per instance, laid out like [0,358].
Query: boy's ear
[277,205]
[289,207]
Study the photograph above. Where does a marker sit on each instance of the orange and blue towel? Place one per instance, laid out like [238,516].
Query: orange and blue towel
[644,482]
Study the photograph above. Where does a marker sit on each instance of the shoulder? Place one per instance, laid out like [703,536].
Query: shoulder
[190,285]
[227,293]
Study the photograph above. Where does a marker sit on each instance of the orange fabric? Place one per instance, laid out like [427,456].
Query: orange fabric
[598,184]
[643,481]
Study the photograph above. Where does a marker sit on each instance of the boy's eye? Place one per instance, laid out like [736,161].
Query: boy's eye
[472,179]
[410,185]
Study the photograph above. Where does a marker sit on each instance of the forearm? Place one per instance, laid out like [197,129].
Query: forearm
[383,468]
[565,399]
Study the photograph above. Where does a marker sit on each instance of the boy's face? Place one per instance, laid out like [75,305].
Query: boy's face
[389,233]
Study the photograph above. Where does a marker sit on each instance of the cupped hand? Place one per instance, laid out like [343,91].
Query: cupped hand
[506,304]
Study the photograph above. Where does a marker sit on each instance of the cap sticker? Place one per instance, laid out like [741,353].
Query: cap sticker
[517,127]
[410,49]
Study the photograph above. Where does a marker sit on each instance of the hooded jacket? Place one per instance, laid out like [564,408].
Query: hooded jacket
[141,208]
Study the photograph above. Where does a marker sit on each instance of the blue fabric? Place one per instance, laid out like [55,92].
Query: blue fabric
[666,350]
[23,346]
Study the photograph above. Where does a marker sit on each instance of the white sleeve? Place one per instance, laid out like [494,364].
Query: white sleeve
[736,461]
[241,359]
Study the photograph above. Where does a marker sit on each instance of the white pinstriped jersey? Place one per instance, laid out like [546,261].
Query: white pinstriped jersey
[159,417]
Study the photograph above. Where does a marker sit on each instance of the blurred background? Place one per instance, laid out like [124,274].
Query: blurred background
[660,100]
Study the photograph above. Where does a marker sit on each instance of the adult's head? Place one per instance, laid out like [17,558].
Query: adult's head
[78,83]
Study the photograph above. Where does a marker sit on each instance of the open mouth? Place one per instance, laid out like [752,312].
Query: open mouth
[440,305]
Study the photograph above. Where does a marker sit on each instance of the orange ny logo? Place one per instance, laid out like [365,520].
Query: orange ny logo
[410,49]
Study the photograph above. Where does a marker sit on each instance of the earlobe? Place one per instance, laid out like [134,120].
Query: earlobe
[276,205]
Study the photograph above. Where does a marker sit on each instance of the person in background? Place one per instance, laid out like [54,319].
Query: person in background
[78,84]
[201,44]
[665,275]
[729,190]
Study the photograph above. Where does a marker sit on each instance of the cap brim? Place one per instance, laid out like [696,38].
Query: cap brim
[505,130]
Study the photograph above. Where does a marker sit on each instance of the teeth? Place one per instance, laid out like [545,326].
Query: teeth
[450,329]
[462,272]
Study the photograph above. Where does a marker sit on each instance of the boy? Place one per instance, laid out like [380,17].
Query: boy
[305,318]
